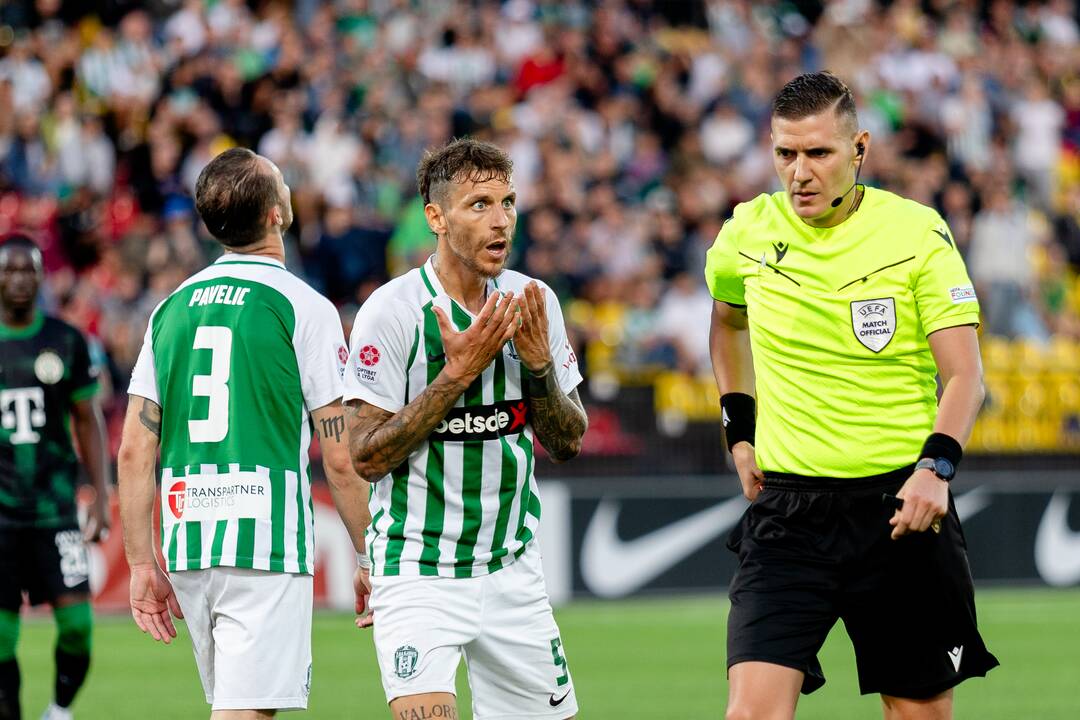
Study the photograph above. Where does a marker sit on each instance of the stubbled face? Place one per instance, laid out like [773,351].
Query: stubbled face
[20,277]
[478,223]
[815,158]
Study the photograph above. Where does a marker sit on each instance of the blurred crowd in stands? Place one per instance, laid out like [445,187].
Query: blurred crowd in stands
[634,127]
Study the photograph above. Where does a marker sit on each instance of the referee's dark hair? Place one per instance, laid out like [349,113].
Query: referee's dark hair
[460,160]
[233,195]
[814,93]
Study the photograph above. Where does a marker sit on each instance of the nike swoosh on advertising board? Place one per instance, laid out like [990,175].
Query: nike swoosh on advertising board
[971,503]
[612,567]
[1057,546]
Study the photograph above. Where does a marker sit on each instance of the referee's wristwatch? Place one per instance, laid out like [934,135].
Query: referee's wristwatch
[942,467]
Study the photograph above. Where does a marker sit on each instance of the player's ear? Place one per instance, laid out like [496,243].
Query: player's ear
[435,219]
[276,217]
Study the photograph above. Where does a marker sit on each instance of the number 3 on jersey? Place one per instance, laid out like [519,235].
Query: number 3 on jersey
[218,340]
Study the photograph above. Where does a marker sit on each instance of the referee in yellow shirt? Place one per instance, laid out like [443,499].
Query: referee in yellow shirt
[854,299]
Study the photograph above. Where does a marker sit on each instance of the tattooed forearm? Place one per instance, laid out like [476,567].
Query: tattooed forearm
[558,419]
[380,441]
[333,427]
[150,416]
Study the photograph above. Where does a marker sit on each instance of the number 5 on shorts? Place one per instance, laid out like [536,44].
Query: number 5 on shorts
[560,662]
[218,340]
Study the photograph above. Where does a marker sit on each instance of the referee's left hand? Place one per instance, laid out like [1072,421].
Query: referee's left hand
[926,500]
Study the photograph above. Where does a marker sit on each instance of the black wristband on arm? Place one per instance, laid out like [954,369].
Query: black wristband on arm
[738,413]
[940,445]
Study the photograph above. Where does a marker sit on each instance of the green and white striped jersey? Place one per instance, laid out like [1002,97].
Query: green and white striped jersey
[237,358]
[465,503]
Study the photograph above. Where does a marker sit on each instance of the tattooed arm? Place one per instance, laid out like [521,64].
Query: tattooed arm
[558,419]
[136,463]
[379,440]
[349,492]
[153,603]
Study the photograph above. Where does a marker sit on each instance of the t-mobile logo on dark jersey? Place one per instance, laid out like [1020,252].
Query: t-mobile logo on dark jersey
[22,410]
[483,422]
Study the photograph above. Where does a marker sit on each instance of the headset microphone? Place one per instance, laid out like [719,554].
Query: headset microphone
[837,201]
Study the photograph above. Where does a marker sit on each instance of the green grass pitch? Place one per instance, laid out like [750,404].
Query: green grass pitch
[655,659]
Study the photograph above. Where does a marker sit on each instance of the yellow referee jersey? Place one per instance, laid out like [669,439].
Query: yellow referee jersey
[838,319]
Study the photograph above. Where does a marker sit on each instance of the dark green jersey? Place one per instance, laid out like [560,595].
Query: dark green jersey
[44,369]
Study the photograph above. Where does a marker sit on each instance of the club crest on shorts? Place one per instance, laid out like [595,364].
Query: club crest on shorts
[874,322]
[405,661]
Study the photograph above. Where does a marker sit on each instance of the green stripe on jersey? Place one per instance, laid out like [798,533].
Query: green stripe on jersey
[435,509]
[219,541]
[301,542]
[277,521]
[507,477]
[245,542]
[193,534]
[524,533]
[472,472]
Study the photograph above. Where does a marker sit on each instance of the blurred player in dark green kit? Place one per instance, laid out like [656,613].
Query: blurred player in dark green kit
[46,380]
[854,299]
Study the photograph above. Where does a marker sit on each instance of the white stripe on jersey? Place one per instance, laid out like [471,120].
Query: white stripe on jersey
[263,544]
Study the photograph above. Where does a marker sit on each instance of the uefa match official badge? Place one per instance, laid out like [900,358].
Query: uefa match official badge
[874,322]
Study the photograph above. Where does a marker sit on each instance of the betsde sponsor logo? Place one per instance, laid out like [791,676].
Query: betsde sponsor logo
[483,422]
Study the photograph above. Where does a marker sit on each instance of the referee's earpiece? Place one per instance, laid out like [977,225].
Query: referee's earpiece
[859,150]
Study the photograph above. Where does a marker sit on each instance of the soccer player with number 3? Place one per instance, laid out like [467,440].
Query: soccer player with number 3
[235,366]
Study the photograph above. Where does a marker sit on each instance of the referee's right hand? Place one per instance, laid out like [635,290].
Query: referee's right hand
[750,474]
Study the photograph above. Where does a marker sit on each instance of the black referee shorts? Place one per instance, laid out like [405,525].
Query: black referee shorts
[814,550]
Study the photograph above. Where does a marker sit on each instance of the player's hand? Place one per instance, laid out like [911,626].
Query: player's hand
[531,339]
[746,466]
[152,600]
[470,351]
[98,519]
[362,587]
[926,500]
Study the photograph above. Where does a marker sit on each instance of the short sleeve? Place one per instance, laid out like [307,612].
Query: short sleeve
[144,375]
[566,362]
[83,380]
[722,267]
[943,291]
[378,357]
[321,355]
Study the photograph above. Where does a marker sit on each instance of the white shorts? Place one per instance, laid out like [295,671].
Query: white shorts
[251,632]
[502,622]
